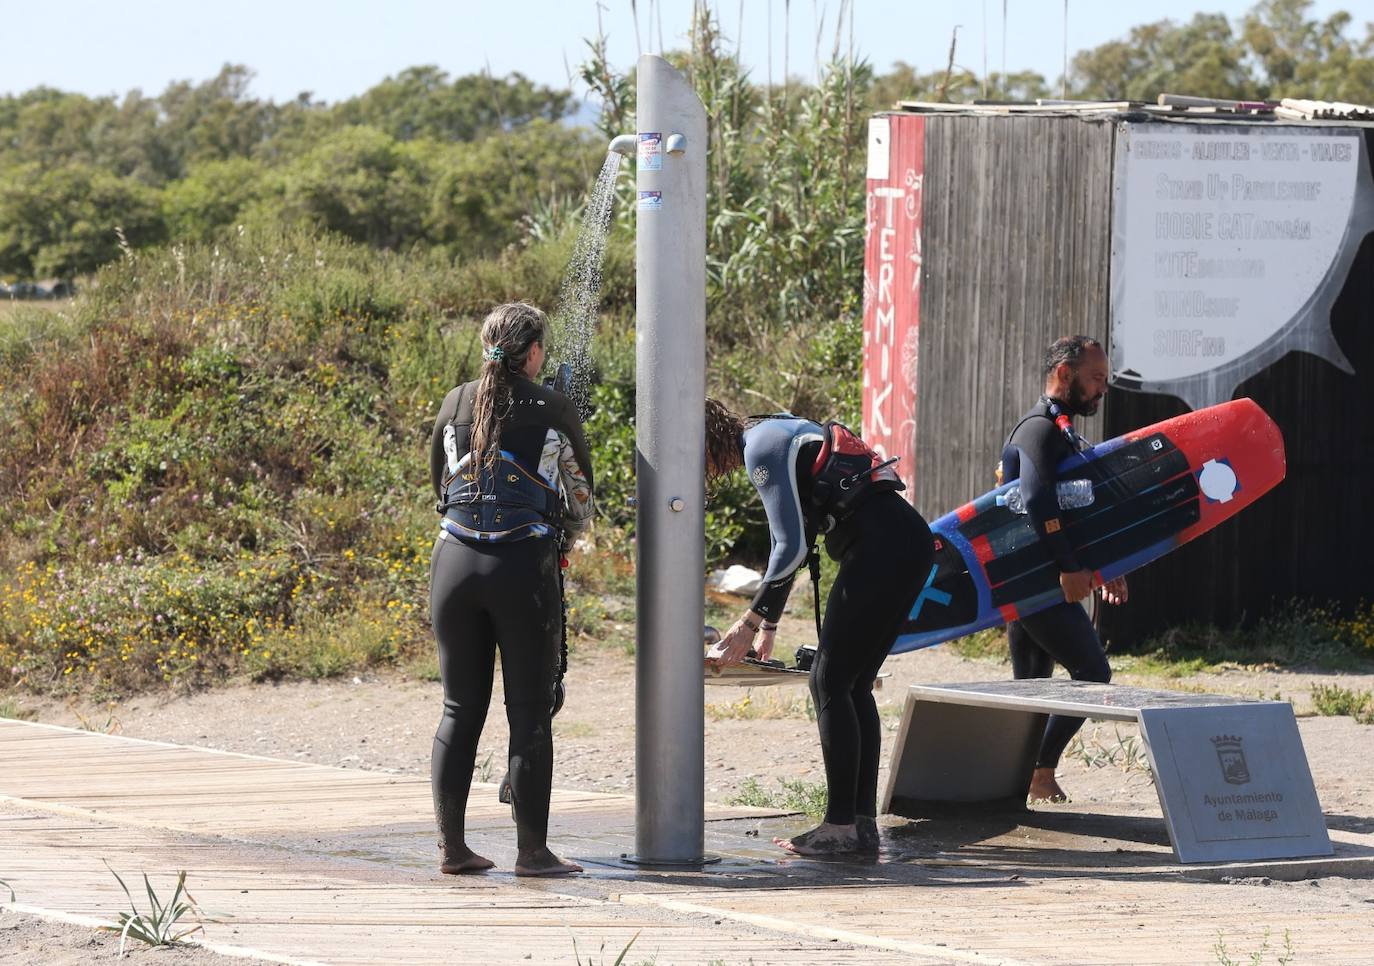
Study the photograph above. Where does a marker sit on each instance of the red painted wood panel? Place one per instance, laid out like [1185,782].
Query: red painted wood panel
[892,298]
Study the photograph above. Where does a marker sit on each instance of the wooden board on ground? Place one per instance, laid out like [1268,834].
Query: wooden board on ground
[754,674]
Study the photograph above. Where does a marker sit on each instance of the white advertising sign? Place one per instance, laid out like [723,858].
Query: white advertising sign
[879,148]
[1229,245]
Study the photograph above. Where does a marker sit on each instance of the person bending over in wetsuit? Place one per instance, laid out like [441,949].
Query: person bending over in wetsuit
[1075,370]
[884,549]
[513,477]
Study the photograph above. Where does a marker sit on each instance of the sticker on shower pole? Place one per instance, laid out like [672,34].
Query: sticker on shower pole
[650,151]
[651,201]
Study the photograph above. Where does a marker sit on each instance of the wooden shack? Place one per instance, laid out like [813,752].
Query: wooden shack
[991,231]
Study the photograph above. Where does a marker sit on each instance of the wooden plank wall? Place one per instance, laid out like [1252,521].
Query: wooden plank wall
[1017,251]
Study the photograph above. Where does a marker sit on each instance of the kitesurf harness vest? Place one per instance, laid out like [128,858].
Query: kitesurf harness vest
[497,503]
[846,472]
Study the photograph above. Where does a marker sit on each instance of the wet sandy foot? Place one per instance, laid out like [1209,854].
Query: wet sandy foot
[464,862]
[544,862]
[824,839]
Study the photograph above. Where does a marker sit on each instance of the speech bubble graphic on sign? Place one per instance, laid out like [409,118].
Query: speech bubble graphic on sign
[1230,245]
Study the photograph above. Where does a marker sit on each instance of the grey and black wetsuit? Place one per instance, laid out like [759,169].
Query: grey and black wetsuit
[500,589]
[1063,633]
[884,551]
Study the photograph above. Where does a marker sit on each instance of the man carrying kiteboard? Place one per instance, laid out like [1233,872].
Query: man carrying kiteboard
[1075,370]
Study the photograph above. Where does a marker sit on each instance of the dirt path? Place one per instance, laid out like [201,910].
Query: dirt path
[385,722]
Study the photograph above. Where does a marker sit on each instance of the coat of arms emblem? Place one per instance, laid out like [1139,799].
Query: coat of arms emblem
[1229,752]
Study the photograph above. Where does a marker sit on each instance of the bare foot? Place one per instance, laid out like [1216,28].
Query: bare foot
[1043,787]
[543,862]
[824,839]
[463,860]
[867,828]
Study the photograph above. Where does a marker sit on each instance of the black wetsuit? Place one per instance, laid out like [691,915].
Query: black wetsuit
[884,549]
[1063,632]
[503,594]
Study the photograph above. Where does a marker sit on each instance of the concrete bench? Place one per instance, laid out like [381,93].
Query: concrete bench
[1231,773]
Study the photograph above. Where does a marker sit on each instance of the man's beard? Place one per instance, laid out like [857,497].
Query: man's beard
[1081,404]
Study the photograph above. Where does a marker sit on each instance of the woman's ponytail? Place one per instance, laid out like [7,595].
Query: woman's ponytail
[508,333]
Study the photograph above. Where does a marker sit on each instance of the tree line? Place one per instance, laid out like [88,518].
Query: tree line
[473,164]
[1275,50]
[411,160]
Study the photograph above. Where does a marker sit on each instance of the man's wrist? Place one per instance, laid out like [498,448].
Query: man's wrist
[752,625]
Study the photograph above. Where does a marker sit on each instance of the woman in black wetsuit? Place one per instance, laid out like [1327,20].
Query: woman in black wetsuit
[885,551]
[512,474]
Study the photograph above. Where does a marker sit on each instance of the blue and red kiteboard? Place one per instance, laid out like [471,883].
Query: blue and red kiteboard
[1153,489]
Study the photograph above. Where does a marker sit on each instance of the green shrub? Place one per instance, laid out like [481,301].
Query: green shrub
[990,643]
[1296,633]
[1332,699]
[26,329]
[794,796]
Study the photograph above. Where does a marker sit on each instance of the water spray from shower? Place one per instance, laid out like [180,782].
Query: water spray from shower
[579,298]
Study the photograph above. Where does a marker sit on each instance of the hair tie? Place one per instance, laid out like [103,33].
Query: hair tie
[493,353]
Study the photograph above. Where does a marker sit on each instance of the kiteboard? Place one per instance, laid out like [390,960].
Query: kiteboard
[753,673]
[1152,490]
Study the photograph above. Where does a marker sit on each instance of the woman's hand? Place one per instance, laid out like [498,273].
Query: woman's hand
[768,634]
[734,646]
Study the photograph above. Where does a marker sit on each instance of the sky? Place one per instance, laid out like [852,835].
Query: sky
[338,49]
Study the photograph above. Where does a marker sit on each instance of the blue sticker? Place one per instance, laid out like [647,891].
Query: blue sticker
[1217,480]
[650,200]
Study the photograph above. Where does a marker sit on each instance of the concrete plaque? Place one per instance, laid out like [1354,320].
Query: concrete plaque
[1110,702]
[1234,782]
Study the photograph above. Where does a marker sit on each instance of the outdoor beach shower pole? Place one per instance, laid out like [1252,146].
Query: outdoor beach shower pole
[670,275]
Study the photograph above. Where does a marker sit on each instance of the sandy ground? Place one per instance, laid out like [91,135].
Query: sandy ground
[385,722]
[28,939]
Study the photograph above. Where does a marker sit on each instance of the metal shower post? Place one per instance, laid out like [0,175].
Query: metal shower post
[670,466]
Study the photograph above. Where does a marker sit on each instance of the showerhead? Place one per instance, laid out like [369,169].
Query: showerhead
[623,145]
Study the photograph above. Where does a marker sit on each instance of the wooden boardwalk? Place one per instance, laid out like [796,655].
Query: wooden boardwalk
[306,863]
